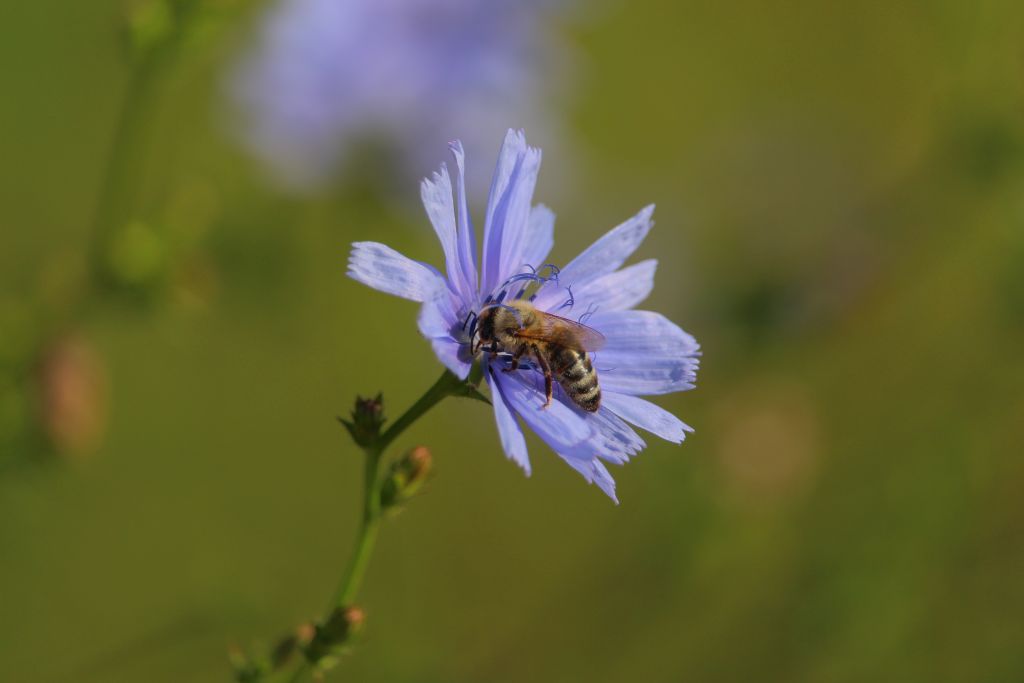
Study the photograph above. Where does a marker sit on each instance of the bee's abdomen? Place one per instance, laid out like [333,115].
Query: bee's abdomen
[578,378]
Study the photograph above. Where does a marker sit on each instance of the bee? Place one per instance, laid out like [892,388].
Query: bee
[558,345]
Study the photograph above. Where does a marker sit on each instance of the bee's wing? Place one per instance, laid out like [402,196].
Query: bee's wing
[555,328]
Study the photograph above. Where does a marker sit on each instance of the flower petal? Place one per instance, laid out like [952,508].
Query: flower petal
[559,425]
[508,210]
[540,236]
[646,415]
[614,440]
[509,158]
[381,267]
[436,193]
[644,353]
[438,317]
[466,238]
[512,440]
[616,291]
[595,472]
[437,320]
[579,438]
[453,356]
[611,251]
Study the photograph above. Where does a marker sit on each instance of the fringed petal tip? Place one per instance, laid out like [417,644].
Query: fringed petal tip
[610,251]
[645,353]
[379,266]
[594,472]
[647,416]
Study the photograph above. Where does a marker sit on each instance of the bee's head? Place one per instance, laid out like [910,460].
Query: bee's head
[497,325]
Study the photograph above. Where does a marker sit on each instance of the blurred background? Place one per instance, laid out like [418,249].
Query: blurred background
[840,223]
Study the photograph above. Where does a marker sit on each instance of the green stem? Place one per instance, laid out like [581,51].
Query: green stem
[367,538]
[447,385]
[123,175]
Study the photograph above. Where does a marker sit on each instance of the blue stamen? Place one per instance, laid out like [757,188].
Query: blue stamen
[591,310]
[532,277]
[555,271]
[571,301]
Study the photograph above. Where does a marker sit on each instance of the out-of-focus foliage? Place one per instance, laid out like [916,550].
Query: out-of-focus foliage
[840,194]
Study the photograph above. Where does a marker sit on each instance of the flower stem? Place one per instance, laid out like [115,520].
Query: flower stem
[351,580]
[367,537]
[447,385]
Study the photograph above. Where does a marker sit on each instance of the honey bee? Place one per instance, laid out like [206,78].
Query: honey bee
[558,345]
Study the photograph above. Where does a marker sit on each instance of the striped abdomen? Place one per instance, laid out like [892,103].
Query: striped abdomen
[578,378]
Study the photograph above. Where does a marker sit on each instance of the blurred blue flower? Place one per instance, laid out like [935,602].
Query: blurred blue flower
[325,75]
[644,353]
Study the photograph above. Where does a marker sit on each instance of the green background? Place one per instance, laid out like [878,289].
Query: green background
[840,222]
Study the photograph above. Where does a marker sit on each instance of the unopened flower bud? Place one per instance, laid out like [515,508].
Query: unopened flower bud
[73,392]
[406,476]
[367,418]
[283,652]
[136,259]
[305,633]
[149,23]
[330,638]
[246,669]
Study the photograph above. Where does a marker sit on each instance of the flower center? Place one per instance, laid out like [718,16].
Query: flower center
[519,287]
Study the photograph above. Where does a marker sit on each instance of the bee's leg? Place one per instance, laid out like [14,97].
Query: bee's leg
[548,379]
[515,359]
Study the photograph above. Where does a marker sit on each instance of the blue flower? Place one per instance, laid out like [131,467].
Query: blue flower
[644,352]
[324,76]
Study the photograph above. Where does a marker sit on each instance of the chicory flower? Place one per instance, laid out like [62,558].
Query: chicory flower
[644,353]
[324,77]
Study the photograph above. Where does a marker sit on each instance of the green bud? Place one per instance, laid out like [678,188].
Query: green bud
[136,257]
[246,669]
[406,477]
[149,23]
[331,637]
[283,652]
[367,419]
